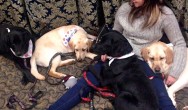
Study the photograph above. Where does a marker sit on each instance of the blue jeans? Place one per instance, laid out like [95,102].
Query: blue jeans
[72,97]
[165,102]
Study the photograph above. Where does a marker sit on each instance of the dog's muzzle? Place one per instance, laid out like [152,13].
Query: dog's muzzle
[28,54]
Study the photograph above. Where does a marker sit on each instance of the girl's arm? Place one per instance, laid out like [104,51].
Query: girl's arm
[173,32]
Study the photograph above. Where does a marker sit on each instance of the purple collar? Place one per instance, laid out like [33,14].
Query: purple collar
[68,35]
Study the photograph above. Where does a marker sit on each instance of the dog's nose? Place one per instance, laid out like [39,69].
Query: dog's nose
[157,69]
[18,53]
[79,59]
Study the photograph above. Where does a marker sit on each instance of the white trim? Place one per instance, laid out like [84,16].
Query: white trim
[122,57]
[8,30]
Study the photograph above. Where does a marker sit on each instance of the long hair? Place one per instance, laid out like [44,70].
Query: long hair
[151,9]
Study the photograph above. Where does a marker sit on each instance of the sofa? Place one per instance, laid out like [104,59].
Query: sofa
[40,16]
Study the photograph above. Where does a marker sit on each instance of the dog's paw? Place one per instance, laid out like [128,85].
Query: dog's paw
[61,75]
[27,78]
[24,81]
[73,61]
[40,77]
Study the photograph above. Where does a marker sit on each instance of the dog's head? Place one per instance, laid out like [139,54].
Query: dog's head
[113,44]
[80,44]
[18,40]
[13,38]
[159,56]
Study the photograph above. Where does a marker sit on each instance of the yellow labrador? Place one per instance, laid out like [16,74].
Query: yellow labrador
[160,57]
[71,38]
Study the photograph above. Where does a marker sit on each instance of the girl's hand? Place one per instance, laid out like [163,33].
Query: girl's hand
[103,57]
[170,80]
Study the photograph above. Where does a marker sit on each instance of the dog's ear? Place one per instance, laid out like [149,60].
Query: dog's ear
[169,55]
[145,52]
[71,44]
[89,43]
[92,37]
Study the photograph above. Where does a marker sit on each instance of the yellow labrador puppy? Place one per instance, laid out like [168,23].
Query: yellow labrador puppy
[71,38]
[160,57]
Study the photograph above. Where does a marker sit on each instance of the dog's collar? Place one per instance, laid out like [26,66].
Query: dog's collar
[68,35]
[8,30]
[122,57]
[28,54]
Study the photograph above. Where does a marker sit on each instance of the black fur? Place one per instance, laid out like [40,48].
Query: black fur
[125,76]
[17,39]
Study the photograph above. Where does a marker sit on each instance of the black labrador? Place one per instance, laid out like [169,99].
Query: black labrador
[17,44]
[124,75]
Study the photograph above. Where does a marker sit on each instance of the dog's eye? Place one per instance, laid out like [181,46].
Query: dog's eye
[13,46]
[76,49]
[83,50]
[161,58]
[152,58]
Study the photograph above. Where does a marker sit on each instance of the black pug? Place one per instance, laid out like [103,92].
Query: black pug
[17,44]
[123,75]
